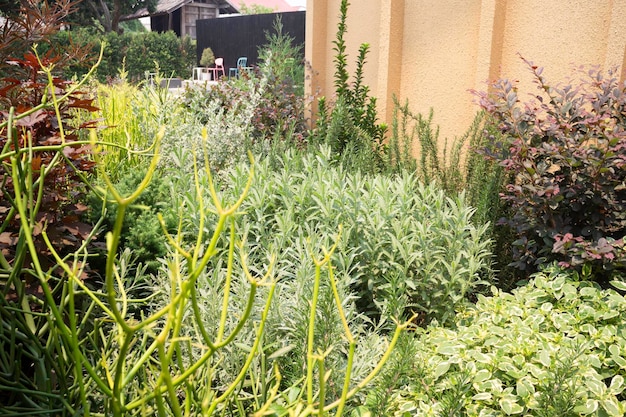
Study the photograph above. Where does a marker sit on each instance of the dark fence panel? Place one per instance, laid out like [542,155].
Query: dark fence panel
[233,37]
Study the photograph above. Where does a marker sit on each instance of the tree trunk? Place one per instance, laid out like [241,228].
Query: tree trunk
[117,15]
[102,13]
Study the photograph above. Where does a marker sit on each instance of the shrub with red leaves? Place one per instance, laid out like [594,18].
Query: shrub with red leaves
[53,159]
[43,167]
[566,150]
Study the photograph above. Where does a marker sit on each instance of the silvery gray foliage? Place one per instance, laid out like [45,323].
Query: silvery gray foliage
[218,136]
[404,246]
[286,332]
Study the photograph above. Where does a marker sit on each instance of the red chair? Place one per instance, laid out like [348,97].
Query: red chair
[219,67]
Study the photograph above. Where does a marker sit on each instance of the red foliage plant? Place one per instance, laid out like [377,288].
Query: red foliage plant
[566,151]
[52,158]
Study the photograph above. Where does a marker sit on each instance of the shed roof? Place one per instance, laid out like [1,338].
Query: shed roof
[169,6]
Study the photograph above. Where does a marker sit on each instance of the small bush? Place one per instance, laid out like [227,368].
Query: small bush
[406,247]
[455,166]
[141,231]
[566,151]
[555,347]
[349,125]
[133,116]
[280,113]
[173,56]
[219,120]
[208,58]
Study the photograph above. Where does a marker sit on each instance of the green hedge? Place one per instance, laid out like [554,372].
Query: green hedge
[135,52]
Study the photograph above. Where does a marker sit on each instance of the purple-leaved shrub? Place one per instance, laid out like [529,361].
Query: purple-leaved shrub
[566,151]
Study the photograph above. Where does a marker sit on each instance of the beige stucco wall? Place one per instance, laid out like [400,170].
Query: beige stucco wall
[572,34]
[321,30]
[433,52]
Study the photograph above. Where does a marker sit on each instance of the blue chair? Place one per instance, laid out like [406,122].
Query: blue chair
[242,63]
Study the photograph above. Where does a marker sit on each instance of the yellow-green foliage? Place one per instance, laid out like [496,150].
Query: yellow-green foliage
[132,115]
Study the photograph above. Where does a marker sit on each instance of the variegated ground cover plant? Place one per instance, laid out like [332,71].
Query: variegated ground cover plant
[554,347]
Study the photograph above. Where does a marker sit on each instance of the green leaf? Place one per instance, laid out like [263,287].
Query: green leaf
[519,360]
[620,361]
[243,347]
[588,292]
[278,409]
[510,407]
[589,407]
[617,385]
[546,307]
[361,411]
[525,387]
[281,352]
[545,359]
[292,394]
[612,407]
[449,349]
[441,369]
[620,285]
[595,361]
[512,370]
[569,291]
[482,396]
[557,283]
[596,387]
[481,357]
[482,375]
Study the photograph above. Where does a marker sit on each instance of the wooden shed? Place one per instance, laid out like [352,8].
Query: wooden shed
[180,15]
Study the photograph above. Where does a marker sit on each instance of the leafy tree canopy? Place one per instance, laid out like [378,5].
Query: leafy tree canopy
[253,8]
[106,14]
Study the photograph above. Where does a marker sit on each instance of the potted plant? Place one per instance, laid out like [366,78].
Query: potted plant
[207,59]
